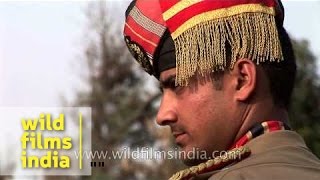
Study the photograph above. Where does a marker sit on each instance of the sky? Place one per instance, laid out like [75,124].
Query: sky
[41,42]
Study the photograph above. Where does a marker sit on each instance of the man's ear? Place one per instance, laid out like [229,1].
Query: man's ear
[244,73]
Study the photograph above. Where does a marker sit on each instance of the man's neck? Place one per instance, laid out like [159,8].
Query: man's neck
[254,114]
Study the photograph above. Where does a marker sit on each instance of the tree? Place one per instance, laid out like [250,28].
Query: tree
[305,108]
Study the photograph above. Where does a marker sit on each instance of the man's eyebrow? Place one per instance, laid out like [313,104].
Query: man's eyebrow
[168,82]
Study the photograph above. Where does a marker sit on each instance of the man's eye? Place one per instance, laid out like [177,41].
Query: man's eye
[169,84]
[173,85]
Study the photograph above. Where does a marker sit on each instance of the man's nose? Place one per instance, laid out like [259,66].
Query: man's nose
[167,112]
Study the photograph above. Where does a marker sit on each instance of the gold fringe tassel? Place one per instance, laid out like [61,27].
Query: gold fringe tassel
[202,48]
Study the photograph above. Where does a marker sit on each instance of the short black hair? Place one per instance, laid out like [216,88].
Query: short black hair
[281,75]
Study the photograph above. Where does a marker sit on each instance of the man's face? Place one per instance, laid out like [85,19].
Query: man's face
[201,117]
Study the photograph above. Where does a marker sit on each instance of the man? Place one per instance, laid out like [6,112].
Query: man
[227,71]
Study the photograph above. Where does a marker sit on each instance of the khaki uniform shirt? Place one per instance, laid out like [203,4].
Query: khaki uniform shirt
[276,155]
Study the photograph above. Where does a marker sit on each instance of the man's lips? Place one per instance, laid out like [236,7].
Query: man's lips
[176,134]
[179,136]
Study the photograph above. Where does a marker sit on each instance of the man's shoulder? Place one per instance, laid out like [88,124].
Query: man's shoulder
[269,171]
[278,155]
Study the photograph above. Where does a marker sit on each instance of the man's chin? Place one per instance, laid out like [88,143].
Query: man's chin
[192,156]
[192,162]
